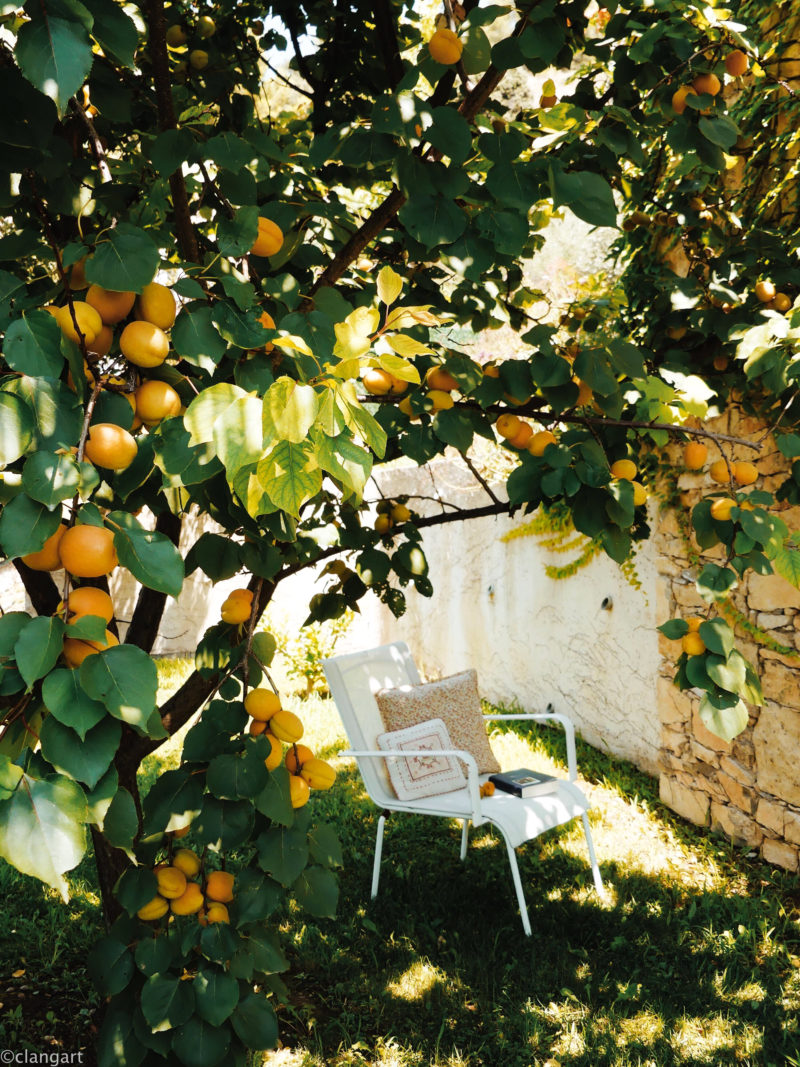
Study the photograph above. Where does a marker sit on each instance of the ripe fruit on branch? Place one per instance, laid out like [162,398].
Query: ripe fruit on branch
[111,447]
[88,551]
[155,401]
[156,304]
[187,861]
[296,756]
[679,98]
[721,508]
[508,425]
[171,882]
[585,393]
[101,345]
[144,344]
[782,303]
[736,63]
[176,36]
[624,469]
[286,726]
[719,472]
[693,644]
[400,513]
[88,318]
[439,378]
[522,436]
[76,649]
[694,622]
[275,756]
[262,704]
[318,773]
[445,47]
[198,58]
[154,909]
[189,902]
[268,323]
[539,442]
[707,83]
[269,240]
[112,306]
[639,494]
[745,473]
[219,887]
[216,913]
[77,275]
[299,791]
[47,558]
[441,400]
[237,607]
[377,381]
[695,455]
[206,27]
[86,600]
[765,291]
[383,524]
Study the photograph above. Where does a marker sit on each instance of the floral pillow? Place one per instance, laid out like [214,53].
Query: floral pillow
[422,776]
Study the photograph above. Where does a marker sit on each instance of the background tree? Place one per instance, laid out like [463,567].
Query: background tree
[210,307]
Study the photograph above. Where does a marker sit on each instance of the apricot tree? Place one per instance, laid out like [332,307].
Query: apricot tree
[209,307]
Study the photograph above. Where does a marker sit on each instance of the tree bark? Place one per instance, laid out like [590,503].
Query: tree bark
[150,604]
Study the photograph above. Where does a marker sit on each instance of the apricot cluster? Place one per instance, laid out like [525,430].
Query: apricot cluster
[183,891]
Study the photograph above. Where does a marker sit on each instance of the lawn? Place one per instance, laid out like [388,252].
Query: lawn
[693,956]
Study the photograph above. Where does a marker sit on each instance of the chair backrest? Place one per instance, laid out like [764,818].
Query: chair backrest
[354,678]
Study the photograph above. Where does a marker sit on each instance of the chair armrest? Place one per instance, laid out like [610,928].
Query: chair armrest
[543,716]
[466,757]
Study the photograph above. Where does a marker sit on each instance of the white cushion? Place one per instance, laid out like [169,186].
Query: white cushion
[422,776]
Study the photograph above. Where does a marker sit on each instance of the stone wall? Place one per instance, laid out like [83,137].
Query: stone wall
[749,789]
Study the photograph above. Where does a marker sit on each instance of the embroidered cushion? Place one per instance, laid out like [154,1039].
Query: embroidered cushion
[455,700]
[422,776]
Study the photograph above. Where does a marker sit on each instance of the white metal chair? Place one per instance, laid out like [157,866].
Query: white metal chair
[354,678]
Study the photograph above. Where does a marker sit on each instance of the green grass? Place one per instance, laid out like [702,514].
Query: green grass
[692,958]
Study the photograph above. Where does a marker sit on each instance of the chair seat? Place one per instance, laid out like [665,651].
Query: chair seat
[519,819]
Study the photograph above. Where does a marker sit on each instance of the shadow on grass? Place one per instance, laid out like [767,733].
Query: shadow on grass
[661,973]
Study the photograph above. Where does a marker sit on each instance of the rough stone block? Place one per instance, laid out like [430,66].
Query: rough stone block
[780,682]
[769,592]
[771,816]
[791,827]
[674,707]
[674,741]
[776,738]
[738,794]
[687,598]
[770,622]
[687,802]
[780,854]
[740,828]
[737,770]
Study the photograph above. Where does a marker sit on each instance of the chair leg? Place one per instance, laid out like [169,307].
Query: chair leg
[598,881]
[376,866]
[464,838]
[523,907]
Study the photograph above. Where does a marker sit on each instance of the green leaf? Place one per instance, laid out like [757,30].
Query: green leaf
[38,647]
[216,995]
[255,1023]
[126,260]
[257,896]
[110,966]
[114,31]
[289,410]
[586,194]
[99,799]
[169,150]
[125,679]
[11,625]
[454,428]
[217,556]
[198,1044]
[390,285]
[714,582]
[65,699]
[173,801]
[32,345]
[121,821]
[51,478]
[55,55]
[196,338]
[317,891]
[167,1002]
[718,637]
[239,328]
[153,955]
[235,236]
[730,674]
[674,629]
[84,759]
[16,428]
[25,525]
[135,887]
[786,562]
[150,556]
[450,133]
[789,445]
[359,420]
[290,475]
[265,951]
[344,460]
[238,437]
[726,723]
[231,777]
[433,220]
[325,846]
[41,829]
[720,131]
[57,412]
[283,853]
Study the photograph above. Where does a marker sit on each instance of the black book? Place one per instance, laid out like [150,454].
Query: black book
[524,783]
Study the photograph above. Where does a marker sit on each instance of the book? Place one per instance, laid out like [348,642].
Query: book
[524,783]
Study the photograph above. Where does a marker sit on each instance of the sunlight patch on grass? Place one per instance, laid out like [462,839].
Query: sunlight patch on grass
[703,1040]
[644,1027]
[416,981]
[746,994]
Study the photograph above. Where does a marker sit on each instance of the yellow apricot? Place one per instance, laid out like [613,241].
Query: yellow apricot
[157,305]
[187,861]
[262,704]
[189,902]
[111,306]
[219,886]
[144,344]
[154,909]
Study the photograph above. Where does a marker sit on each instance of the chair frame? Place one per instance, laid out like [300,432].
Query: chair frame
[477,816]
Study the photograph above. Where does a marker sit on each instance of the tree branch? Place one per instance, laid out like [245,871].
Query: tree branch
[150,603]
[387,36]
[40,587]
[157,29]
[479,477]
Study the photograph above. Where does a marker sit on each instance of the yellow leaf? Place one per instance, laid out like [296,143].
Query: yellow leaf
[407,346]
[400,368]
[345,368]
[353,336]
[292,344]
[401,318]
[390,285]
[18,974]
